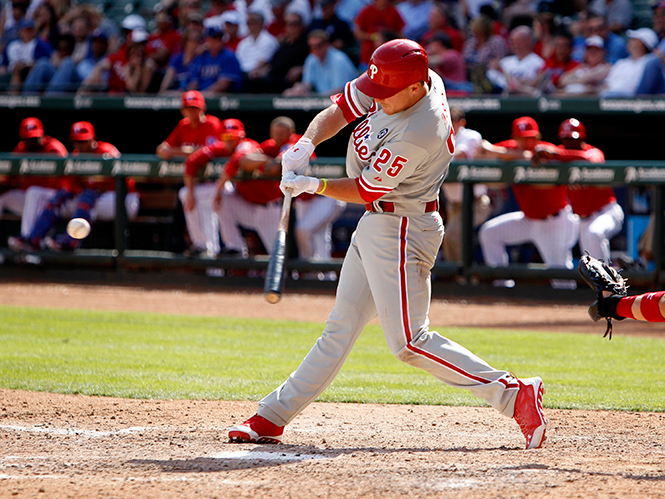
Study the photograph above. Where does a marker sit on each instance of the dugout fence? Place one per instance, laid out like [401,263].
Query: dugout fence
[149,168]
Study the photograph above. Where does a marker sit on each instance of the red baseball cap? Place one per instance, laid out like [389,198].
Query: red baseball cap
[193,98]
[233,127]
[82,131]
[31,128]
[572,129]
[525,127]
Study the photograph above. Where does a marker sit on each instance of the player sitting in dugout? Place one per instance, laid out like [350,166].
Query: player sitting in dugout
[90,199]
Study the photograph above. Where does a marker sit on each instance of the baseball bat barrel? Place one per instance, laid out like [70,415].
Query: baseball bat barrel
[272,290]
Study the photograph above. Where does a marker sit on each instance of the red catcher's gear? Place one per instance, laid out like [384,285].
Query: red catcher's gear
[193,98]
[31,128]
[82,131]
[525,126]
[572,129]
[233,127]
[394,66]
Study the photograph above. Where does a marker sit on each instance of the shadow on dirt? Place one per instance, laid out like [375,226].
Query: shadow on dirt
[267,456]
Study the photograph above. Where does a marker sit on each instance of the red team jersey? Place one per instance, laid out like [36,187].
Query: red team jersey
[49,146]
[168,41]
[586,199]
[206,133]
[106,184]
[538,202]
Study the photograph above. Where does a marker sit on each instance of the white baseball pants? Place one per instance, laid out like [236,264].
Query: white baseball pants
[36,199]
[314,219]
[12,200]
[386,272]
[554,237]
[202,223]
[264,219]
[597,230]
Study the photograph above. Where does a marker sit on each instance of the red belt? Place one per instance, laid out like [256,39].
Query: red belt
[389,207]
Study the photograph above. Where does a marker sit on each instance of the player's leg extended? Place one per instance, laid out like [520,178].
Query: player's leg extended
[354,308]
[36,199]
[402,253]
[195,222]
[555,238]
[504,230]
[597,230]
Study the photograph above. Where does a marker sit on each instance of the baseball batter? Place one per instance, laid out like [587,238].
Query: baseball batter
[601,217]
[196,130]
[397,159]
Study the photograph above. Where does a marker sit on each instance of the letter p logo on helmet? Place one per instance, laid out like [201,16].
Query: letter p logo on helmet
[372,71]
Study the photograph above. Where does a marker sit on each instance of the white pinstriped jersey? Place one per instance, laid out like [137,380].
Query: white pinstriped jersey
[403,157]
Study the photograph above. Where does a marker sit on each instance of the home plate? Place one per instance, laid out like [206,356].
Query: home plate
[246,455]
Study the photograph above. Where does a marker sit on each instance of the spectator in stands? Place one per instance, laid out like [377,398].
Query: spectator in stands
[518,73]
[96,20]
[618,13]
[230,21]
[480,49]
[99,48]
[129,71]
[195,131]
[281,8]
[467,146]
[216,70]
[341,35]
[12,17]
[380,15]
[415,14]
[348,10]
[46,24]
[579,28]
[255,51]
[244,7]
[544,31]
[639,74]
[615,45]
[326,69]
[44,70]
[179,71]
[544,211]
[558,63]
[518,13]
[81,30]
[449,64]
[218,7]
[286,65]
[659,28]
[33,141]
[20,55]
[588,77]
[439,23]
[163,41]
[187,9]
[472,7]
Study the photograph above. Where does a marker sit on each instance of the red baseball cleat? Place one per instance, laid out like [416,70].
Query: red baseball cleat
[257,430]
[529,411]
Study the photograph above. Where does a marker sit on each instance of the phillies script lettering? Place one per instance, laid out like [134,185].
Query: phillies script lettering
[360,136]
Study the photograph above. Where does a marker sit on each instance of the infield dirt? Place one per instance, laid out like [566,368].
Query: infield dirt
[58,446]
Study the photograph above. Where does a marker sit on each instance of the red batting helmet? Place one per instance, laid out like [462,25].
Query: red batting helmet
[525,126]
[192,98]
[31,128]
[82,131]
[233,127]
[572,129]
[394,66]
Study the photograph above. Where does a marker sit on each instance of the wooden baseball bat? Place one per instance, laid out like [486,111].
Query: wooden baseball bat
[272,290]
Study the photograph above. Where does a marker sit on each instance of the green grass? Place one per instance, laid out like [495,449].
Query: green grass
[158,356]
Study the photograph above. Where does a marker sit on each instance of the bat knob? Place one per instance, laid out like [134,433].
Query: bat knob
[272,297]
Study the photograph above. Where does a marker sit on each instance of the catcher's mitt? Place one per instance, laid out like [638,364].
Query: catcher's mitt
[601,277]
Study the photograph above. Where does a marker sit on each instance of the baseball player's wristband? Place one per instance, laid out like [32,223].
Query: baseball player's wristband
[325,185]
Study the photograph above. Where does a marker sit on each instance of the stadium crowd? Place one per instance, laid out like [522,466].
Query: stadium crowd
[301,47]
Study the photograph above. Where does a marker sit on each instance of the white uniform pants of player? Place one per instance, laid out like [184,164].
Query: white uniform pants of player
[314,219]
[36,199]
[598,228]
[202,222]
[387,273]
[264,219]
[12,201]
[554,237]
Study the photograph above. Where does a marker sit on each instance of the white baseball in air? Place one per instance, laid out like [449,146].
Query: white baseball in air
[78,228]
